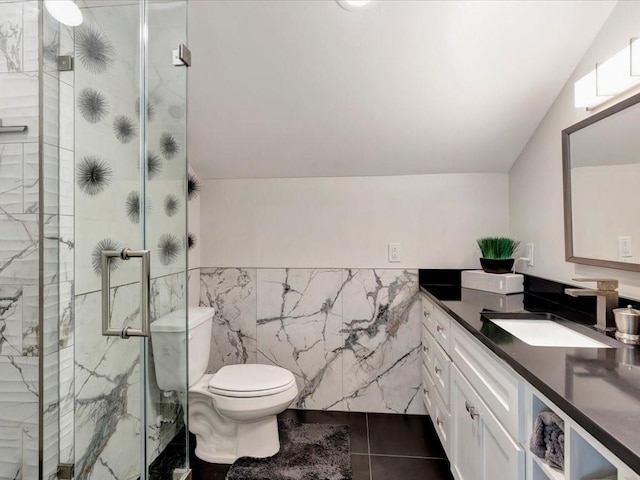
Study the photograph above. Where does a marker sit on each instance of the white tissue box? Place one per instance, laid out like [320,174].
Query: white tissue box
[493,301]
[504,283]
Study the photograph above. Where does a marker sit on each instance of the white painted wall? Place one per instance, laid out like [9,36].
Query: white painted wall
[348,221]
[535,181]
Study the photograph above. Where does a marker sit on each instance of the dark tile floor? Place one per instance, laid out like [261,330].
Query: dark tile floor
[383,447]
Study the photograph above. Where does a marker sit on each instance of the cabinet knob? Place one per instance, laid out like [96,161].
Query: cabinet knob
[426,391]
[425,314]
[440,329]
[438,422]
[471,410]
[438,370]
[425,348]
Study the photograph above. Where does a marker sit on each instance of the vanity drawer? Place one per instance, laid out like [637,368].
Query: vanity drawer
[442,327]
[428,390]
[427,309]
[437,322]
[428,343]
[441,373]
[442,422]
[500,390]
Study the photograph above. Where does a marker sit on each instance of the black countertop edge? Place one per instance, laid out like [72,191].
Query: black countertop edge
[582,308]
[616,447]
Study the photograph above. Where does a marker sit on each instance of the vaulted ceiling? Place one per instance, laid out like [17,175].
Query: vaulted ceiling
[282,88]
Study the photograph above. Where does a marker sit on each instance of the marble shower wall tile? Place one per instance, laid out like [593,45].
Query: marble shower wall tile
[19,105]
[193,280]
[382,341]
[51,320]
[51,182]
[19,250]
[66,181]
[167,294]
[31,189]
[66,314]
[106,388]
[66,393]
[11,178]
[66,240]
[232,293]
[66,113]
[11,37]
[31,36]
[51,410]
[11,307]
[10,452]
[31,320]
[299,327]
[19,400]
[50,104]
[351,337]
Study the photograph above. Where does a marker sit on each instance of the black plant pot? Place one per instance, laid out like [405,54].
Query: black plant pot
[497,265]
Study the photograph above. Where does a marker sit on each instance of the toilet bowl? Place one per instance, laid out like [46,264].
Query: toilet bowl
[233,412]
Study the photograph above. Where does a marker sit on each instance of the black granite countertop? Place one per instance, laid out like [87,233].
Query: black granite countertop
[599,388]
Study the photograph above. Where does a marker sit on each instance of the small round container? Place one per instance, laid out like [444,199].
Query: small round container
[627,320]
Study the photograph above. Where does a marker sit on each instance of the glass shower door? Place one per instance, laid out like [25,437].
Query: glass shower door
[129,151]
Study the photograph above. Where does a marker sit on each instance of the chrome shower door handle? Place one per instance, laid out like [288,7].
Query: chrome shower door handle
[145,281]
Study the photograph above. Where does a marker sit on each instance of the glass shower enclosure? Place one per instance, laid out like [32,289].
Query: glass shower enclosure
[93,238]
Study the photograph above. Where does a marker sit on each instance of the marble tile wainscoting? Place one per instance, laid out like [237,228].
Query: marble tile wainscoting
[107,385]
[350,336]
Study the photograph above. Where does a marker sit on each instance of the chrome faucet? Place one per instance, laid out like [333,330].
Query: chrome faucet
[607,296]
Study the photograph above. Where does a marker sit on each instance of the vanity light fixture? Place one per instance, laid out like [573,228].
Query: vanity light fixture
[354,5]
[64,11]
[609,79]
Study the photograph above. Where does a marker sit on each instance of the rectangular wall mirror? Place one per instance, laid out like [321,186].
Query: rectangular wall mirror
[601,163]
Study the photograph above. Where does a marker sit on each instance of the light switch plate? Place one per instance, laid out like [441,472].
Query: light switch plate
[395,253]
[624,247]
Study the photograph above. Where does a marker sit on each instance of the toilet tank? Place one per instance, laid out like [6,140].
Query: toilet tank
[168,341]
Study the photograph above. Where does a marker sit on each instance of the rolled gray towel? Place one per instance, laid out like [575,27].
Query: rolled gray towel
[536,442]
[555,450]
[547,439]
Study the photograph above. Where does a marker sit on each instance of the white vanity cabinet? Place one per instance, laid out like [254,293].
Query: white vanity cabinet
[468,383]
[483,412]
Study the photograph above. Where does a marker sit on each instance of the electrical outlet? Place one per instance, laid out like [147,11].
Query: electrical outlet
[394,252]
[529,254]
[624,247]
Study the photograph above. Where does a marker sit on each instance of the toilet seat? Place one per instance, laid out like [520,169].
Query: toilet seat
[250,380]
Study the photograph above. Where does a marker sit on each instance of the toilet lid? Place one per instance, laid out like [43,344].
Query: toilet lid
[250,380]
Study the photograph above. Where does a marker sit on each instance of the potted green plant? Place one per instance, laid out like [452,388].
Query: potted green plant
[497,253]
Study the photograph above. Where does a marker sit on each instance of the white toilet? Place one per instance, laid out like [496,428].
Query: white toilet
[231,412]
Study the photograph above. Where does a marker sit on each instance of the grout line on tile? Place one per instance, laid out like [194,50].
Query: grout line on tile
[406,456]
[366,416]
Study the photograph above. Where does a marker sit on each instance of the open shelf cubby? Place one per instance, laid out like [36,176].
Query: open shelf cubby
[541,468]
[587,463]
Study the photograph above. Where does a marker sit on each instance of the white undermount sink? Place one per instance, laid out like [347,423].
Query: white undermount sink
[546,333]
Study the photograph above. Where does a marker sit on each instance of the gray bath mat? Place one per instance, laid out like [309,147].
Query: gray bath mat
[308,451]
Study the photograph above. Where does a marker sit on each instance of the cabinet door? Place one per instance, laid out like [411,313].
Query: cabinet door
[465,430]
[501,456]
